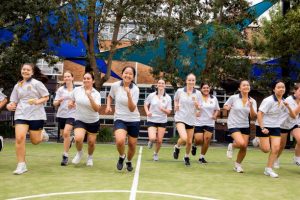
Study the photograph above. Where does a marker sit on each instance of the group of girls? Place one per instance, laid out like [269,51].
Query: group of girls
[195,115]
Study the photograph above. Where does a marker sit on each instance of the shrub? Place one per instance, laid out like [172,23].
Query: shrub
[105,135]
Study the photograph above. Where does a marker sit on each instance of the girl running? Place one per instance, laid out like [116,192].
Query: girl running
[87,101]
[291,125]
[3,101]
[187,103]
[126,116]
[205,124]
[268,124]
[158,105]
[65,116]
[27,100]
[241,106]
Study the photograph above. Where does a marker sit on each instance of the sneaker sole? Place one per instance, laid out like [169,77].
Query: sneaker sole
[234,169]
[270,175]
[20,173]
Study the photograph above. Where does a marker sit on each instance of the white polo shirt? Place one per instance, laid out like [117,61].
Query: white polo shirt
[239,113]
[289,122]
[22,92]
[122,111]
[208,108]
[84,111]
[273,112]
[156,103]
[187,110]
[63,110]
[2,96]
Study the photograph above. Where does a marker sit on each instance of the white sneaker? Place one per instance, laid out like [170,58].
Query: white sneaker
[276,164]
[155,157]
[77,157]
[238,169]
[21,168]
[270,172]
[1,143]
[255,142]
[45,136]
[150,144]
[229,152]
[89,161]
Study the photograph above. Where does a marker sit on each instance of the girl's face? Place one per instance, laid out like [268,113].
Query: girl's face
[244,87]
[161,85]
[68,78]
[88,80]
[26,71]
[297,93]
[128,75]
[205,90]
[190,80]
[279,89]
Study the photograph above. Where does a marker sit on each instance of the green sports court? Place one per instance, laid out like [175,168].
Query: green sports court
[165,179]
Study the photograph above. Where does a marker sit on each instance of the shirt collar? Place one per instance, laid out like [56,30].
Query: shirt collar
[130,85]
[274,97]
[185,90]
[294,97]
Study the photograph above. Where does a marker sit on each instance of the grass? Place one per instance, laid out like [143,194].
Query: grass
[215,180]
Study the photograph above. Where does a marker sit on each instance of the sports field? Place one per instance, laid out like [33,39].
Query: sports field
[165,179]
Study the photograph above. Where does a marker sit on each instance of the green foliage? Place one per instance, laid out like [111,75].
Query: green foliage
[105,135]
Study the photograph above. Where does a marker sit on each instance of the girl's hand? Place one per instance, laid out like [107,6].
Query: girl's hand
[11,106]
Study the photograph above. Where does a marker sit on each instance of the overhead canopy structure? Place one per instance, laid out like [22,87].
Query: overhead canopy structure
[76,52]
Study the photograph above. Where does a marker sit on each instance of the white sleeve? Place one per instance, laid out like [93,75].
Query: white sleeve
[112,91]
[148,99]
[229,101]
[42,90]
[217,106]
[58,94]
[177,95]
[169,103]
[14,95]
[2,96]
[135,95]
[265,106]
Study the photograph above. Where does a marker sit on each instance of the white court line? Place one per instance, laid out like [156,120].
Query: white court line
[136,176]
[111,191]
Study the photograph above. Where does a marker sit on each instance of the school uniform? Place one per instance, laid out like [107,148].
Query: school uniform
[2,96]
[205,121]
[187,111]
[123,117]
[64,114]
[274,114]
[158,118]
[25,113]
[289,124]
[85,116]
[238,118]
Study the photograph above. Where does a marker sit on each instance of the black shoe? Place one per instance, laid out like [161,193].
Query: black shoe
[120,163]
[72,141]
[194,150]
[176,152]
[187,161]
[129,166]
[202,161]
[1,143]
[64,161]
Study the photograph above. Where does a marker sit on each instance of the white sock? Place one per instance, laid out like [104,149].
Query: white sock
[90,156]
[123,156]
[66,154]
[178,147]
[202,156]
[237,164]
[186,155]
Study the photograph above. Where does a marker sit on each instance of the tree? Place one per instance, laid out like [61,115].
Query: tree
[278,38]
[227,44]
[31,27]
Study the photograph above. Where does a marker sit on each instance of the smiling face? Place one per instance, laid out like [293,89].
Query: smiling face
[27,71]
[68,77]
[161,85]
[244,87]
[205,89]
[279,89]
[190,80]
[88,80]
[128,75]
